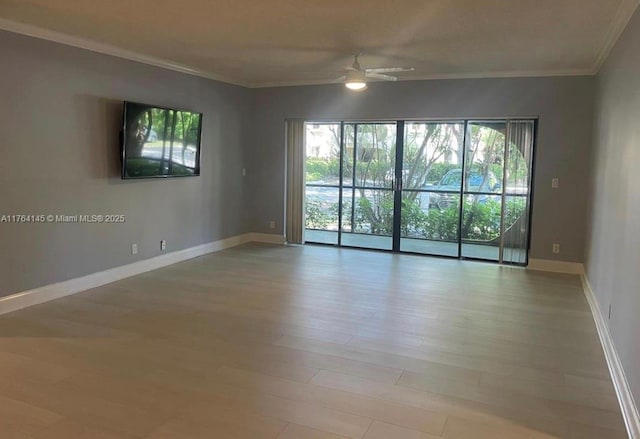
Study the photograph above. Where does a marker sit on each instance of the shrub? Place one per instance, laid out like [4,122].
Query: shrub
[480,219]
[316,217]
[318,169]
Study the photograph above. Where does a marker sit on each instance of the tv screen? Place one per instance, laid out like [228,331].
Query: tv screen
[160,142]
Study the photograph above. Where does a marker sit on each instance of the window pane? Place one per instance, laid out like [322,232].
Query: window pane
[480,231]
[375,154]
[432,156]
[484,157]
[427,228]
[373,220]
[321,214]
[322,164]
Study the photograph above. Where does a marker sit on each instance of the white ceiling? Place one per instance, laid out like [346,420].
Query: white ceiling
[285,42]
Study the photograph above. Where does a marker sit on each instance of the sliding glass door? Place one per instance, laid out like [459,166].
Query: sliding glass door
[453,188]
[369,162]
[431,183]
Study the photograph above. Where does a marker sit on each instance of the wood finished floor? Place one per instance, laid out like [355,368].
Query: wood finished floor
[311,343]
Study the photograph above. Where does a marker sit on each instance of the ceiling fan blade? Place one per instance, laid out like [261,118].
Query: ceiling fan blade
[340,79]
[380,76]
[390,69]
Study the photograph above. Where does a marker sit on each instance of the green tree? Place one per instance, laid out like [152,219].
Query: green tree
[430,151]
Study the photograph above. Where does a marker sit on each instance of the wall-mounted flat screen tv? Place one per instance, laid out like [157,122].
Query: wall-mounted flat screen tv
[160,142]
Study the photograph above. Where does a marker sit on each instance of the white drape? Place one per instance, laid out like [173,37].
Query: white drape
[295,181]
[516,237]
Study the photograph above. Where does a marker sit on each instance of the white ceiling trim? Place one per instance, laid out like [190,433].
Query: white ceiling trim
[107,49]
[620,22]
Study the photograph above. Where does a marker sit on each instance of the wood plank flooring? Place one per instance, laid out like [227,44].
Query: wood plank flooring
[311,343]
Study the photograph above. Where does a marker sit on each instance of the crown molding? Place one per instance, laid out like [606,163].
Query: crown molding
[479,75]
[107,49]
[621,20]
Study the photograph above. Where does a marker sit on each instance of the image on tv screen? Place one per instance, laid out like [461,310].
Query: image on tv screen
[160,142]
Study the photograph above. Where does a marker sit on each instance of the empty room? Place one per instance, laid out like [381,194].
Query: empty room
[412,219]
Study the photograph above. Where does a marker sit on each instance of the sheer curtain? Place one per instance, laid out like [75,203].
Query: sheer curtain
[517,194]
[295,181]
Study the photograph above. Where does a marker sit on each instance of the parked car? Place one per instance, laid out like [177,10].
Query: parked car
[452,181]
[153,136]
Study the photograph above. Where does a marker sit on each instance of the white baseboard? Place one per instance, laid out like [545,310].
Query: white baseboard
[267,238]
[625,398]
[555,266]
[46,293]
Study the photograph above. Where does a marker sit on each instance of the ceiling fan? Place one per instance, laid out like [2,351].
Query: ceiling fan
[356,77]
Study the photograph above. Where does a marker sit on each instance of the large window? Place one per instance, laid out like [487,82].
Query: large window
[455,188]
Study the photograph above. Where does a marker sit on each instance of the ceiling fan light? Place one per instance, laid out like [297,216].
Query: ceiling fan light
[356,85]
[356,80]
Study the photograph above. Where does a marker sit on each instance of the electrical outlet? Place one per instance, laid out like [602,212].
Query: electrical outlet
[272,224]
[134,249]
[555,183]
[556,248]
[244,172]
[163,245]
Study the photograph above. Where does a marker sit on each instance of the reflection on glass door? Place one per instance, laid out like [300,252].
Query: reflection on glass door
[482,189]
[497,178]
[458,188]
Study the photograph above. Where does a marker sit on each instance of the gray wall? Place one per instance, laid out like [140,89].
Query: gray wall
[564,106]
[613,233]
[60,114]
